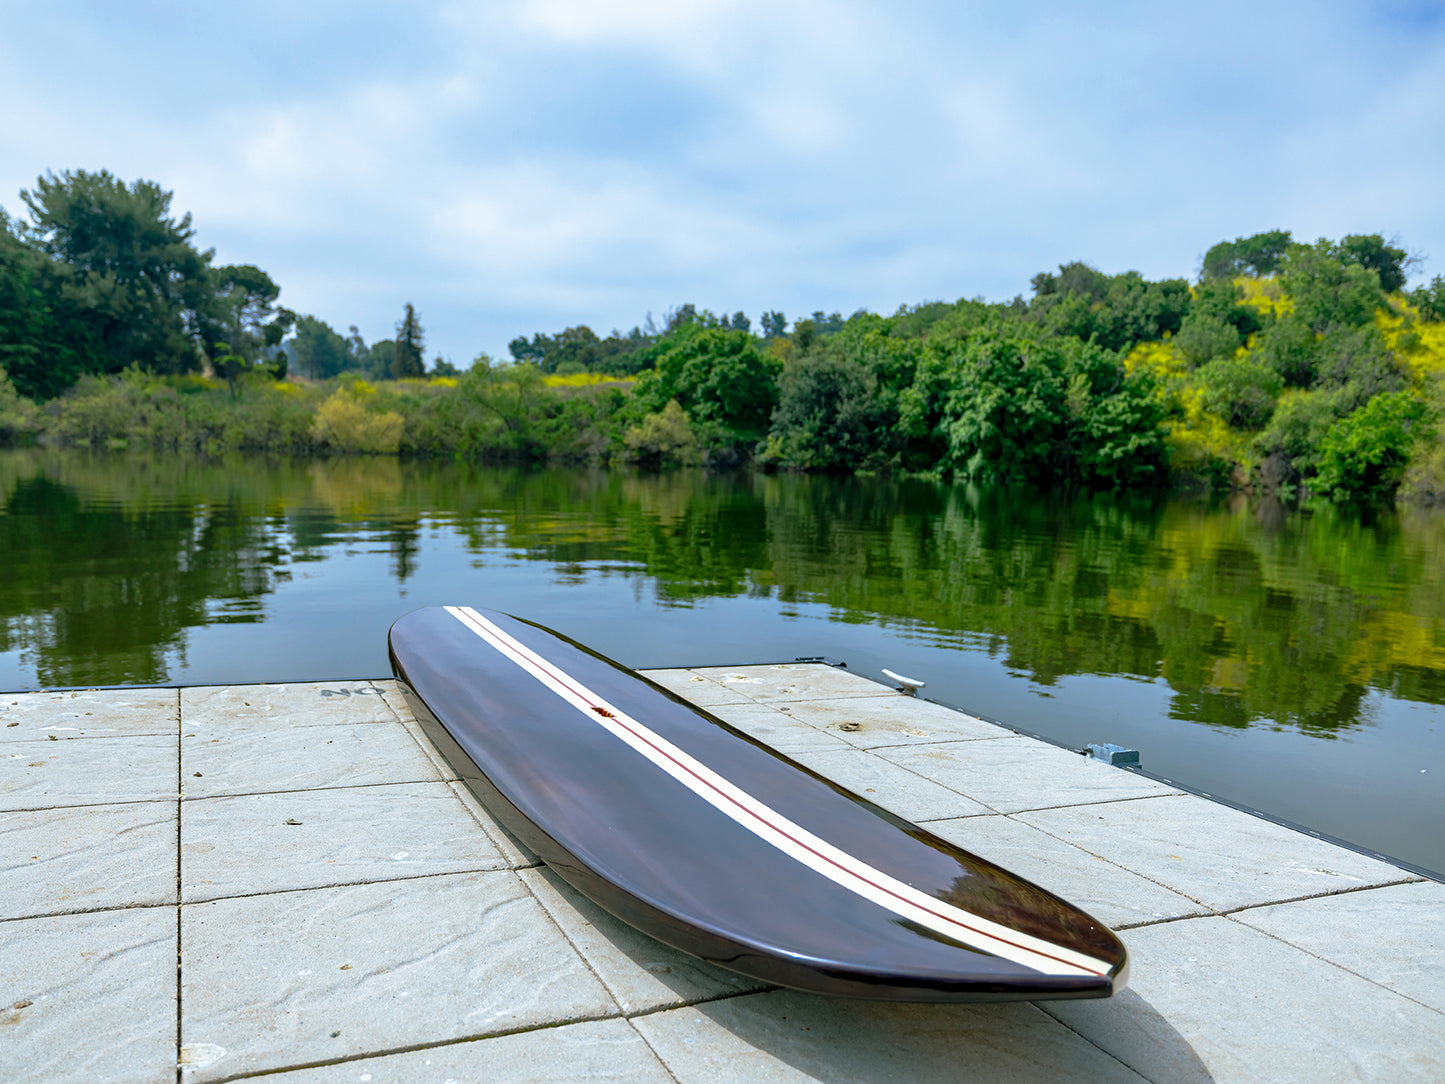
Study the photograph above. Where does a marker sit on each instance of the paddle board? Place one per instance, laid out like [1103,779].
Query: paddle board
[704,838]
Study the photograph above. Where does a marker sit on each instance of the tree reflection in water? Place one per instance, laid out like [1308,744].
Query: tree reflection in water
[1253,615]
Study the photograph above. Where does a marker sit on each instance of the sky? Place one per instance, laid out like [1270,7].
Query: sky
[517,166]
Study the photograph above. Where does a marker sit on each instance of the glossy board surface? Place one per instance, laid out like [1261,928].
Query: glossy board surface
[704,838]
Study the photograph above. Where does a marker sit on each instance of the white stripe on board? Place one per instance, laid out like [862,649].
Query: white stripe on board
[774,828]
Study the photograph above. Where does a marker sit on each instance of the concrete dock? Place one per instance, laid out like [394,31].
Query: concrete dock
[210,884]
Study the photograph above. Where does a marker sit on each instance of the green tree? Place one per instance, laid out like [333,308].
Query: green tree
[1389,262]
[1288,345]
[43,345]
[1289,446]
[1204,336]
[1223,300]
[360,352]
[1242,391]
[379,358]
[1363,457]
[513,394]
[1261,254]
[317,350]
[1026,408]
[1357,359]
[409,359]
[244,324]
[1006,412]
[828,414]
[1327,291]
[18,416]
[724,382]
[1430,300]
[1118,432]
[125,264]
[664,439]
[1115,311]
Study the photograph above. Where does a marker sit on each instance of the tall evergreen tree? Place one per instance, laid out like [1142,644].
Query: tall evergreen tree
[409,359]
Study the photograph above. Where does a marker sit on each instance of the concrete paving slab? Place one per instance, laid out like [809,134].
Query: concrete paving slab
[1018,773]
[1211,853]
[345,972]
[601,1050]
[514,853]
[786,1036]
[89,997]
[696,689]
[89,771]
[1394,936]
[87,857]
[1111,893]
[247,760]
[896,789]
[277,707]
[90,713]
[391,693]
[641,973]
[790,681]
[870,722]
[309,839]
[1211,1000]
[777,729]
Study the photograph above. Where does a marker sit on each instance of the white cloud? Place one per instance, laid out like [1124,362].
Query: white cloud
[658,23]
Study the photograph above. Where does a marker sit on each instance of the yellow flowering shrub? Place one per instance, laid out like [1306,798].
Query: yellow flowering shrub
[1265,294]
[1418,344]
[1200,441]
[584,380]
[1162,360]
[345,425]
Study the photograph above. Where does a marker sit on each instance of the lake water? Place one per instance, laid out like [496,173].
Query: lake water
[1293,663]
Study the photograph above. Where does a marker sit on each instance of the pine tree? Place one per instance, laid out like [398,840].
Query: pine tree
[408,361]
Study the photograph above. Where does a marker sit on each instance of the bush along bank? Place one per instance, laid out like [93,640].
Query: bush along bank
[509,414]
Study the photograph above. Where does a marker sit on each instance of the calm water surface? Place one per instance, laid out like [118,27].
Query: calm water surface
[1293,663]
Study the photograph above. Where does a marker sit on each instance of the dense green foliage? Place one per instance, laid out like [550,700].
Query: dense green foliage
[1286,366]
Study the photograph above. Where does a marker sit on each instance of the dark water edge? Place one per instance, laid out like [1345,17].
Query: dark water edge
[1292,662]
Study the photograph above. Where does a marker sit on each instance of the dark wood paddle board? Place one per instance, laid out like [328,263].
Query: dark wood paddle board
[703,837]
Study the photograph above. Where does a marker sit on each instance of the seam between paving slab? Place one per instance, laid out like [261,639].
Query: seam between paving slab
[347,884]
[1347,890]
[180,897]
[408,1049]
[85,911]
[1103,1050]
[1406,877]
[304,790]
[1090,803]
[653,1050]
[1335,963]
[91,805]
[524,1029]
